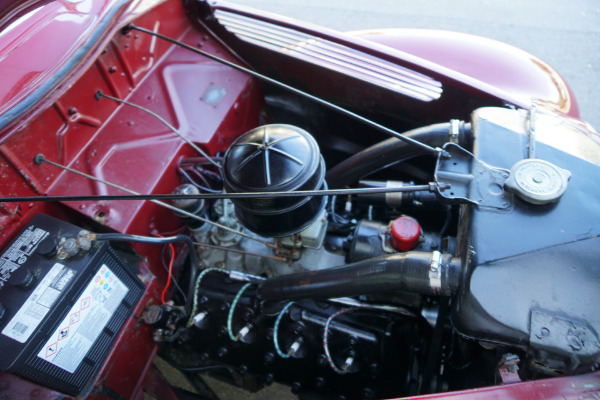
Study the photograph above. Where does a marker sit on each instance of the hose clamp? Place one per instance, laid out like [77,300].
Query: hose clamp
[435,272]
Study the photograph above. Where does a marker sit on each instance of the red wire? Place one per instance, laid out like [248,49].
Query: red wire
[162,295]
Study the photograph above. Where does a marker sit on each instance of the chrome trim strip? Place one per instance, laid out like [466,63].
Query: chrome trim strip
[332,55]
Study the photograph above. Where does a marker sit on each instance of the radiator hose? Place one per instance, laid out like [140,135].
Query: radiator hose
[420,272]
[392,151]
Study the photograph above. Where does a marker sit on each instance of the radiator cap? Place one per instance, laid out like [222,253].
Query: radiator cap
[537,181]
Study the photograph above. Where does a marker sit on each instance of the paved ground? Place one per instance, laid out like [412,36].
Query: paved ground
[566,34]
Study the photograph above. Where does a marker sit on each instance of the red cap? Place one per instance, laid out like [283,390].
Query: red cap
[405,233]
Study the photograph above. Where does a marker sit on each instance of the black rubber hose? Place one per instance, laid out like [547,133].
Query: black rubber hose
[389,152]
[408,271]
[122,237]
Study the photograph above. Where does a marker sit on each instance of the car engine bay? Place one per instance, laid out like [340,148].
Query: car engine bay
[165,203]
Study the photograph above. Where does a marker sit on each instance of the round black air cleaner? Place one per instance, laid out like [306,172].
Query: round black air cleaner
[275,158]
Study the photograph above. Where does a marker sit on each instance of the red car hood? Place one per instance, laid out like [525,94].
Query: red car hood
[35,27]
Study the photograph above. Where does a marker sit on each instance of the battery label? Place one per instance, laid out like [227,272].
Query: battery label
[84,322]
[38,304]
[18,253]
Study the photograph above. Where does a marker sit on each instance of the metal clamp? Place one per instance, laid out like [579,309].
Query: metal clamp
[435,272]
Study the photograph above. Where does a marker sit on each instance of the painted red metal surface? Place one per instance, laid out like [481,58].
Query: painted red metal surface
[124,146]
[503,66]
[42,47]
[449,77]
[564,388]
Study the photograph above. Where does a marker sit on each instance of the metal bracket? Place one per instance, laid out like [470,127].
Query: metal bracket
[569,337]
[472,181]
[508,367]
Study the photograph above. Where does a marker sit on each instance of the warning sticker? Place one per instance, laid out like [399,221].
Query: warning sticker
[18,253]
[38,304]
[84,322]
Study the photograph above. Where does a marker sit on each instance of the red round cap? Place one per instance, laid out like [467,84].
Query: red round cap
[405,233]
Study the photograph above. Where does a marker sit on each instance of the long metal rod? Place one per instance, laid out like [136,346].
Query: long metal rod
[39,159]
[316,99]
[100,94]
[302,193]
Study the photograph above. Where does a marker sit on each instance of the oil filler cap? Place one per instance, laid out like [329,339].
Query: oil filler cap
[537,181]
[405,233]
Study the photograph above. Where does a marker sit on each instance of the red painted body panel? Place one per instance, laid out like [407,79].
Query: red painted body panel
[460,92]
[117,143]
[564,388]
[37,46]
[498,64]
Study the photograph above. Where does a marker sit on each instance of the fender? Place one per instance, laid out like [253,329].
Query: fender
[498,64]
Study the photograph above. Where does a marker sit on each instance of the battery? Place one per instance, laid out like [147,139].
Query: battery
[62,303]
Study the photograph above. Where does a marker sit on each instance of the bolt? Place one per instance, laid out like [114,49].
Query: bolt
[545,332]
[222,331]
[247,314]
[112,69]
[222,352]
[269,334]
[322,360]
[374,370]
[224,306]
[319,382]
[269,378]
[367,394]
[72,111]
[297,330]
[204,357]
[269,358]
[296,387]
[243,370]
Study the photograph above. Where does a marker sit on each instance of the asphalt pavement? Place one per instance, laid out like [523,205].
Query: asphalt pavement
[565,34]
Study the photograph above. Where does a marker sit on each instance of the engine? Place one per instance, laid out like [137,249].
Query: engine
[355,291]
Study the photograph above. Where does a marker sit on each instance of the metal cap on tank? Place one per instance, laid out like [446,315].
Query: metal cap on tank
[275,158]
[537,181]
